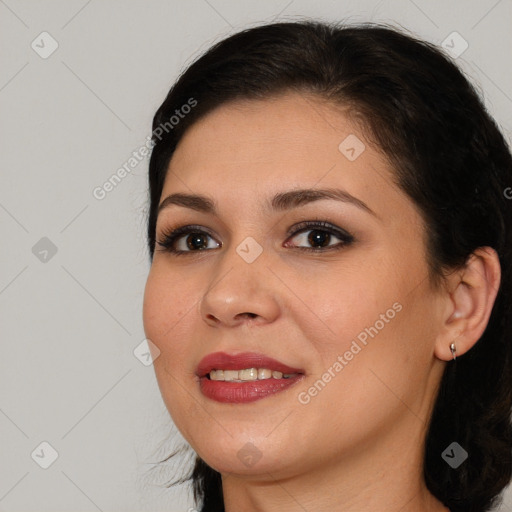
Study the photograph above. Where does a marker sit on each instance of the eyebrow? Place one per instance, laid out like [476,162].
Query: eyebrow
[280,202]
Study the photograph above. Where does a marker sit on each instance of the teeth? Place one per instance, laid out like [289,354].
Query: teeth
[248,374]
[263,373]
[230,375]
[217,375]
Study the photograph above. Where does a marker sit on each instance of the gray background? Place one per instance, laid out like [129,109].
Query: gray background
[70,321]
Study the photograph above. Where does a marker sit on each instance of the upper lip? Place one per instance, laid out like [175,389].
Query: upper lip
[224,361]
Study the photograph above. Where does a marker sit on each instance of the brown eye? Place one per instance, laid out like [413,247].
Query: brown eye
[319,236]
[196,241]
[187,239]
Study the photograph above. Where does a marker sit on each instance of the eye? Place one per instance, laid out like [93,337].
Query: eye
[320,235]
[187,239]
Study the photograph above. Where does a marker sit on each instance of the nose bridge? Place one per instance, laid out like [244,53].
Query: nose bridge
[241,286]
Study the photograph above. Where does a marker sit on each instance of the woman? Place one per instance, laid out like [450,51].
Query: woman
[330,288]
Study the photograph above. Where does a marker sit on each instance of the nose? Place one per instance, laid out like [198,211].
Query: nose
[240,293]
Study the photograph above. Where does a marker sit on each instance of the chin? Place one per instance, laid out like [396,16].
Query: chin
[249,460]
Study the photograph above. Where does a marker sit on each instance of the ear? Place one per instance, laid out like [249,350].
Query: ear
[470,295]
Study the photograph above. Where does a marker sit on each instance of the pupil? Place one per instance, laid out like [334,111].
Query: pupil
[195,241]
[319,237]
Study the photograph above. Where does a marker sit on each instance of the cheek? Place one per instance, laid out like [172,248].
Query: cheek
[167,308]
[358,316]
[168,318]
[338,307]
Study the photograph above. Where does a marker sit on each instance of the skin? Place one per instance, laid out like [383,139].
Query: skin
[357,445]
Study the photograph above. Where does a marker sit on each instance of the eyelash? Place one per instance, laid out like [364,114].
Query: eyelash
[170,236]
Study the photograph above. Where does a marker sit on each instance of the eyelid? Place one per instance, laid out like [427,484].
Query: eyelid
[319,224]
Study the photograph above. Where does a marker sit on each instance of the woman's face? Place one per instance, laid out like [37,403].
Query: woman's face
[347,303]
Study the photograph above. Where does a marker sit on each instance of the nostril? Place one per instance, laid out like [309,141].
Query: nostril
[250,315]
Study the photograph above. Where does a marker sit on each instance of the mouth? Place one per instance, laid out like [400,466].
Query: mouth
[244,377]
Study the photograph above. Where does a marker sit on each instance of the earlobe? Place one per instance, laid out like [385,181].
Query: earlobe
[471,292]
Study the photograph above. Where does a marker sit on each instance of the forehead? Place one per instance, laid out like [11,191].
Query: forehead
[290,126]
[252,148]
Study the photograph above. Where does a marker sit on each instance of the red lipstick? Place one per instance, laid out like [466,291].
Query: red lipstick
[247,391]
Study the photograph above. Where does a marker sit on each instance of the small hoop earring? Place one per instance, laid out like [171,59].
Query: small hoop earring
[454,350]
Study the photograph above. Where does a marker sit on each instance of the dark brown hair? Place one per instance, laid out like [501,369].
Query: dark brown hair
[449,157]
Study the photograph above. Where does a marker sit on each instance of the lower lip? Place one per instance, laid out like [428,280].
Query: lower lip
[243,392]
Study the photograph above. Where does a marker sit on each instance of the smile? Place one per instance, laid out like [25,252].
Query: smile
[245,377]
